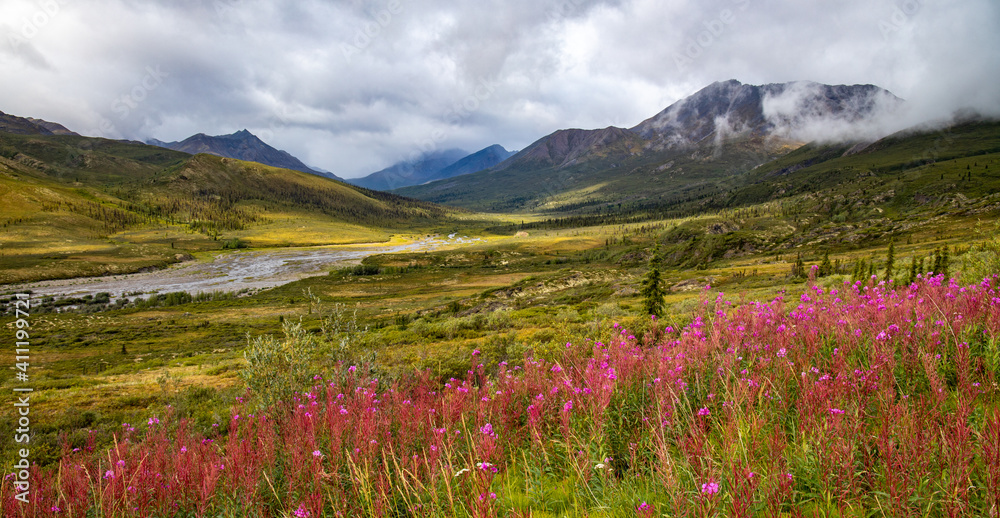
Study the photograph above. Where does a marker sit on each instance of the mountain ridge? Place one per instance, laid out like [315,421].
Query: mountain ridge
[722,129]
[31,126]
[432,166]
[241,145]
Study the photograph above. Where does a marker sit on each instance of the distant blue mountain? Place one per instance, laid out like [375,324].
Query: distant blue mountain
[432,166]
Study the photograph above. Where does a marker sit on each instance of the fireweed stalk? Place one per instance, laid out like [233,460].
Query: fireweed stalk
[862,396]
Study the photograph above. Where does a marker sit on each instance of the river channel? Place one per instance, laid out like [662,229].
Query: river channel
[232,271]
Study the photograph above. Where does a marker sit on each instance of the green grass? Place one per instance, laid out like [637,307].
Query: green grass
[508,296]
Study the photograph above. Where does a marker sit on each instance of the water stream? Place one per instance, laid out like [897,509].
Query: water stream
[232,271]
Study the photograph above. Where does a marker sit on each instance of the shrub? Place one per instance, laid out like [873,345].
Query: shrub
[276,368]
[234,243]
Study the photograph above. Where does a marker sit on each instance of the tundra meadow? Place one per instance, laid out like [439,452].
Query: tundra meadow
[858,399]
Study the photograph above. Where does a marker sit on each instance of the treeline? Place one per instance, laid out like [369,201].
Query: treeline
[177,298]
[638,212]
[112,219]
[863,269]
[364,270]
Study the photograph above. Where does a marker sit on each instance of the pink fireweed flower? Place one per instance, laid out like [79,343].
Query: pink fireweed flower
[704,411]
[710,488]
[109,474]
[318,454]
[568,406]
[486,466]
[301,512]
[487,430]
[836,411]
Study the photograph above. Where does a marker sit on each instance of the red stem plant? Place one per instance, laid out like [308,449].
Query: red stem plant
[819,405]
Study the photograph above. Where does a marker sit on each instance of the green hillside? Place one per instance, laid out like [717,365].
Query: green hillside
[915,171]
[86,206]
[620,178]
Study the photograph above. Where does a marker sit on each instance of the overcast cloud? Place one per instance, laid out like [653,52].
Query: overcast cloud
[352,86]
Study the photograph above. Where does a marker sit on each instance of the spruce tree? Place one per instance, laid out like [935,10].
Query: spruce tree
[799,268]
[826,267]
[859,270]
[944,261]
[652,286]
[890,261]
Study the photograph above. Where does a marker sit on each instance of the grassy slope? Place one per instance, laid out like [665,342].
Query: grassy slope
[917,167]
[85,206]
[601,181]
[737,174]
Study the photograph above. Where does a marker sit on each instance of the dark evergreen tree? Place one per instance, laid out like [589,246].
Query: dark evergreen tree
[826,267]
[890,261]
[652,286]
[860,269]
[799,268]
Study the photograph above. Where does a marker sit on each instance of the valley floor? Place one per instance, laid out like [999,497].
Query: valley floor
[513,304]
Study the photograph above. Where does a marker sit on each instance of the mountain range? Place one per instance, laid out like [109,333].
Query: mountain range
[241,145]
[766,149]
[434,165]
[726,128]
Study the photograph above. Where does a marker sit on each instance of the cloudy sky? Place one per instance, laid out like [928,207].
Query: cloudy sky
[352,86]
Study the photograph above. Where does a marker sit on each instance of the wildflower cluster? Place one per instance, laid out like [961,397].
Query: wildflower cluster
[875,397]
